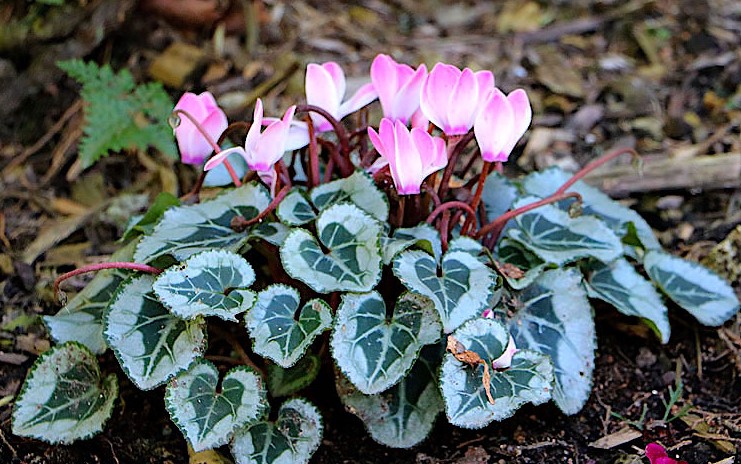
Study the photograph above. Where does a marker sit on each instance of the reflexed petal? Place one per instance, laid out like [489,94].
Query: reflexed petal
[493,127]
[384,77]
[208,101]
[420,120]
[193,105]
[338,78]
[505,360]
[363,96]
[522,114]
[377,165]
[405,163]
[222,156]
[463,101]
[298,136]
[270,148]
[377,141]
[436,91]
[215,124]
[485,79]
[407,98]
[253,134]
[269,177]
[321,90]
[193,146]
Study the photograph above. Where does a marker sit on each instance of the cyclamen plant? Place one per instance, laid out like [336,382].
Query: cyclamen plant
[442,289]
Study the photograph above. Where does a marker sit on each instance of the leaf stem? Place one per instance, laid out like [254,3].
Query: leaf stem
[101,266]
[313,155]
[477,196]
[343,161]
[456,144]
[239,223]
[451,205]
[595,164]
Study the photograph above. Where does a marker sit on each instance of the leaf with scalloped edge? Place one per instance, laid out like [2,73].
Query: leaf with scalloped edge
[186,230]
[287,381]
[403,415]
[209,419]
[64,397]
[553,316]
[619,284]
[291,439]
[278,332]
[375,352]
[557,238]
[358,189]
[423,236]
[295,209]
[464,289]
[150,343]
[693,287]
[528,380]
[352,260]
[211,283]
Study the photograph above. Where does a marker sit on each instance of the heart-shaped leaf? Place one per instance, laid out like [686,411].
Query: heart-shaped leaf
[528,380]
[557,238]
[352,261]
[693,287]
[274,232]
[462,289]
[375,352]
[64,397]
[275,330]
[619,284]
[295,209]
[207,418]
[212,283]
[287,381]
[293,438]
[403,415]
[424,236]
[186,230]
[359,189]
[151,344]
[553,317]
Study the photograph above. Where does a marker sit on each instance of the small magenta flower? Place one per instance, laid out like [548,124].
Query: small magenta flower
[398,87]
[325,88]
[505,360]
[501,123]
[261,150]
[411,156]
[656,454]
[194,148]
[451,98]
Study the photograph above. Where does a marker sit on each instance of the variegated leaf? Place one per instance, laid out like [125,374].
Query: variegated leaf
[212,283]
[287,381]
[208,419]
[528,380]
[375,352]
[403,415]
[553,317]
[186,230]
[558,238]
[693,287]
[528,265]
[358,189]
[151,344]
[295,209]
[291,439]
[424,236]
[64,397]
[352,261]
[274,232]
[498,195]
[275,330]
[619,284]
[462,288]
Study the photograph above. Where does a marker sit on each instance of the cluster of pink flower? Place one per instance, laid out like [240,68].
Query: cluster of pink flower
[657,454]
[454,100]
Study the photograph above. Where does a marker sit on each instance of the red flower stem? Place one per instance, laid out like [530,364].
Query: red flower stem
[313,155]
[328,170]
[400,211]
[456,145]
[343,162]
[211,142]
[495,227]
[595,164]
[444,225]
[452,205]
[101,266]
[432,193]
[240,223]
[477,196]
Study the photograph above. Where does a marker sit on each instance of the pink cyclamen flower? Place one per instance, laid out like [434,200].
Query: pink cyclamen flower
[411,156]
[261,150]
[325,88]
[398,87]
[505,360]
[501,123]
[451,98]
[656,454]
[194,148]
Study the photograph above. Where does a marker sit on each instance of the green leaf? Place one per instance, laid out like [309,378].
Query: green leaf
[277,331]
[623,287]
[352,262]
[464,288]
[693,287]
[511,252]
[359,189]
[527,380]
[553,316]
[64,397]
[558,238]
[403,415]
[144,225]
[151,344]
[274,233]
[424,236]
[286,382]
[81,319]
[295,209]
[291,439]
[187,230]
[208,419]
[375,351]
[212,283]
[498,195]
[120,114]
[616,216]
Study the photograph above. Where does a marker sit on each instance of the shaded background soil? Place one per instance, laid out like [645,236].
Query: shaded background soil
[661,76]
